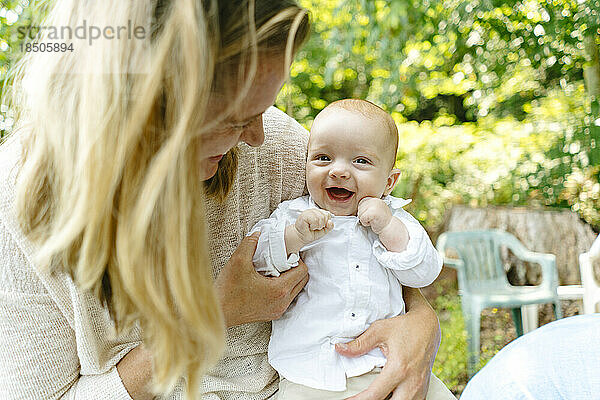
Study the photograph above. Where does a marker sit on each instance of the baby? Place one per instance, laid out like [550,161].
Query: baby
[359,245]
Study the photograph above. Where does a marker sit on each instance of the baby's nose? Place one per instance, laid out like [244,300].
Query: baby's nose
[338,171]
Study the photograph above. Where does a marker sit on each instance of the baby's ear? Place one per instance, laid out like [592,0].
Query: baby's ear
[391,181]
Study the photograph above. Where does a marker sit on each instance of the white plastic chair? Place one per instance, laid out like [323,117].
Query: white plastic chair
[591,289]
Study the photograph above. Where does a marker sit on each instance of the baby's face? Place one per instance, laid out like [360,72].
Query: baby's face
[347,161]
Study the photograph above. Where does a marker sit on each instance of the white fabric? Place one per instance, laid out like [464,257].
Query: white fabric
[293,391]
[57,342]
[354,281]
[559,361]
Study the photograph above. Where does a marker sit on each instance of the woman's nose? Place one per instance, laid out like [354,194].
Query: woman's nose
[254,135]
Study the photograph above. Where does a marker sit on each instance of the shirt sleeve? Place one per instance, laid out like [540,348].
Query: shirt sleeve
[420,263]
[38,347]
[271,257]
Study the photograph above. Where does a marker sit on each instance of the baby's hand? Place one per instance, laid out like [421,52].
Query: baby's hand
[375,213]
[313,224]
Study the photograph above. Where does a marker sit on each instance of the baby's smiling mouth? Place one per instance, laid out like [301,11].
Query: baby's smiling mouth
[339,194]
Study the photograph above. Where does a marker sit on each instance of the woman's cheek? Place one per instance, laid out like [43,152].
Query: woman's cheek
[207,169]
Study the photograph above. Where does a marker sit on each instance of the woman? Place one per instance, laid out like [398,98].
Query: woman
[101,191]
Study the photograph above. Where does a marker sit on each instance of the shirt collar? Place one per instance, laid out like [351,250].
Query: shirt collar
[393,202]
[396,203]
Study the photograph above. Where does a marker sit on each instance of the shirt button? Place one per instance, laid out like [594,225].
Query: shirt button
[357,266]
[353,315]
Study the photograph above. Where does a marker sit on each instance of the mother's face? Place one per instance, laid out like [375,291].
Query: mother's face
[245,123]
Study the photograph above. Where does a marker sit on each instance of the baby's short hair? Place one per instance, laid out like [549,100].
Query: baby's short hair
[372,111]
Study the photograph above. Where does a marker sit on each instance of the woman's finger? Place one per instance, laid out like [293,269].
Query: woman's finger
[292,277]
[246,249]
[409,391]
[381,387]
[298,288]
[366,342]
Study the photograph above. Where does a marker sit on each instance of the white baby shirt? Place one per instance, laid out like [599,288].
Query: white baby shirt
[354,281]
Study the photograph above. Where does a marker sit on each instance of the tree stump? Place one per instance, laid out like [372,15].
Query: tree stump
[559,232]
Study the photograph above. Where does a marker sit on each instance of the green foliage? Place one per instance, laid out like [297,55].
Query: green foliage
[581,187]
[542,161]
[488,95]
[15,16]
[451,360]
[434,57]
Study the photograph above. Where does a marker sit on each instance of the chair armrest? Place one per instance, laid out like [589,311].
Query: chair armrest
[539,258]
[456,263]
[548,264]
[459,266]
[546,261]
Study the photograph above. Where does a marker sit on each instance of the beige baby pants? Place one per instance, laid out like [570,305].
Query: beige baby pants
[293,391]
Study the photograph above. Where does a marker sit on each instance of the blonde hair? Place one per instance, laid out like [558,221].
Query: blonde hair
[109,187]
[371,111]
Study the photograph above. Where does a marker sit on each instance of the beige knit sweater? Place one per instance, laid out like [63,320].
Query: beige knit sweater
[57,342]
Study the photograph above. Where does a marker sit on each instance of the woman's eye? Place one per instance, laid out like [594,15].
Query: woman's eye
[362,161]
[241,126]
[323,158]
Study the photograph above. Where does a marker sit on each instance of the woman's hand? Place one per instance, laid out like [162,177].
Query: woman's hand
[247,296]
[409,342]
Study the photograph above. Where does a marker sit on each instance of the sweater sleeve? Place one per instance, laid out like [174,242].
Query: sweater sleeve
[285,149]
[271,257]
[38,347]
[420,263]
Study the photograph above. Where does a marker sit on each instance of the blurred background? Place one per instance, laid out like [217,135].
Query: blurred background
[496,104]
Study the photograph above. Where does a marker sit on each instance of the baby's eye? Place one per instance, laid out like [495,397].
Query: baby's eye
[361,161]
[323,158]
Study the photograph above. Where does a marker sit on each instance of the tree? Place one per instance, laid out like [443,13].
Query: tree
[434,57]
[14,14]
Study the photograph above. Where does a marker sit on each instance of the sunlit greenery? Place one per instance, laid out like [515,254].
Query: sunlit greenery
[489,95]
[451,361]
[497,160]
[14,14]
